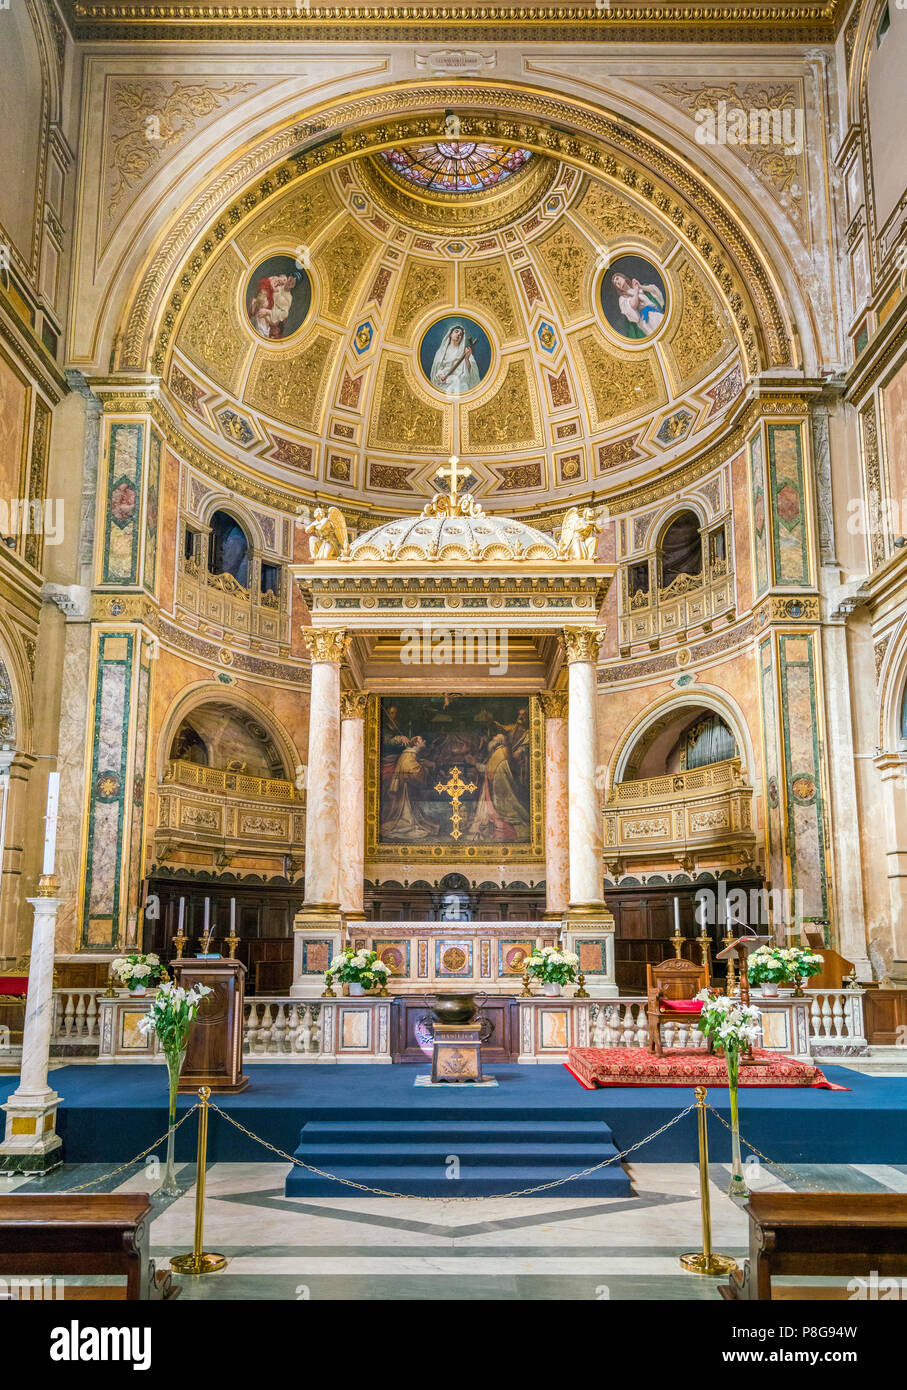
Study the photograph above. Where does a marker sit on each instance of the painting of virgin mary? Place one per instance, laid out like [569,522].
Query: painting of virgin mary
[455,355]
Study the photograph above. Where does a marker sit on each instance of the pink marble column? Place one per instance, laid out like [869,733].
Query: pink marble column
[322,842]
[585,818]
[353,705]
[557,856]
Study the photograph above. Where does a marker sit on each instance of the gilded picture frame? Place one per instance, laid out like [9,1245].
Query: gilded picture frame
[377,851]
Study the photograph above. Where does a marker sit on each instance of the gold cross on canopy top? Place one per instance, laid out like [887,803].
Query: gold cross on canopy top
[454,474]
[455,787]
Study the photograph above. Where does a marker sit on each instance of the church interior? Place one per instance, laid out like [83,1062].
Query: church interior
[453,653]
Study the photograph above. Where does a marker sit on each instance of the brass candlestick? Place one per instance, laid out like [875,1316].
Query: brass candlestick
[525,992]
[731,967]
[179,941]
[581,992]
[327,992]
[677,939]
[705,946]
[232,941]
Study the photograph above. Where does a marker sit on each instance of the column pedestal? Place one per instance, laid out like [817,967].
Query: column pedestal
[31,1144]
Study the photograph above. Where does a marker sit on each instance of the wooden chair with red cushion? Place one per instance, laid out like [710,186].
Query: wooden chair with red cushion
[672,989]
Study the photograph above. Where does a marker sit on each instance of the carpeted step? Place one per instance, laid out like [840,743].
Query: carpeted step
[573,1156]
[487,1181]
[495,1156]
[444,1131]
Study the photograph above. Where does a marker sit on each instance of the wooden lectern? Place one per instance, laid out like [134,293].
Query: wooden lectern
[214,1057]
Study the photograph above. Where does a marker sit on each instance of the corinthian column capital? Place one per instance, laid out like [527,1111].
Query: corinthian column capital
[582,643]
[554,703]
[327,643]
[353,704]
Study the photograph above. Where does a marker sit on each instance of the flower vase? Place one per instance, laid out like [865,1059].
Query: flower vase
[137,989]
[738,1187]
[769,989]
[551,987]
[356,988]
[169,1186]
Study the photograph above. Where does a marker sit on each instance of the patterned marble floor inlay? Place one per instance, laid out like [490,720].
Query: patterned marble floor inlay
[350,1248]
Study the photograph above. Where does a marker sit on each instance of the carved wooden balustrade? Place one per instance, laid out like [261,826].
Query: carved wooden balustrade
[227,813]
[681,816]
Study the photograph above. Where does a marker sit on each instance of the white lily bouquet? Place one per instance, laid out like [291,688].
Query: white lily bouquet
[172,1012]
[361,970]
[733,1027]
[137,971]
[550,966]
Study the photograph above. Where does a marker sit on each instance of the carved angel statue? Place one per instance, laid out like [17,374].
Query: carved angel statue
[579,535]
[331,540]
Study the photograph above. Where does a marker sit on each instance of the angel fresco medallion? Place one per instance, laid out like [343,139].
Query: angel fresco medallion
[455,355]
[633,298]
[277,298]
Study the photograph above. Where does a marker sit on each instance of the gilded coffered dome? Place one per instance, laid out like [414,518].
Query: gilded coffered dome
[465,295]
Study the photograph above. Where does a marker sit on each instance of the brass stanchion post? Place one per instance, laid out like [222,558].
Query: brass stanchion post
[199,1262]
[705,1261]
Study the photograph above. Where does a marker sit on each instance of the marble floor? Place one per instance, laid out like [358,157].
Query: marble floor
[354,1248]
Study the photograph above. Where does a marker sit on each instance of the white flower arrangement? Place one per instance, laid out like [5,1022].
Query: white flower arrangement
[730,1024]
[551,966]
[358,968]
[779,965]
[137,970]
[172,1010]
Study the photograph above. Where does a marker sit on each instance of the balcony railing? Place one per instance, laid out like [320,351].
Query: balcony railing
[681,815]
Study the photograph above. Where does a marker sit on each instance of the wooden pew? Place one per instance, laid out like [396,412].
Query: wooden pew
[97,1233]
[824,1233]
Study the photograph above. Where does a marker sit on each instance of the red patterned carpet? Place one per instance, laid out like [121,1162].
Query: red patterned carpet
[682,1066]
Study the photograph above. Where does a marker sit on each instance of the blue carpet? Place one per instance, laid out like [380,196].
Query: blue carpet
[109,1113]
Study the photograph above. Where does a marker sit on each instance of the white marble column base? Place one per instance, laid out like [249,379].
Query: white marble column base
[40,1148]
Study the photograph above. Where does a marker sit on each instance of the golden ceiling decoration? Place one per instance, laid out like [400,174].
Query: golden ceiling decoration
[355,372]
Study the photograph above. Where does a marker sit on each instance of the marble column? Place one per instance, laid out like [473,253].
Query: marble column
[585,821]
[353,705]
[557,855]
[31,1144]
[18,768]
[328,647]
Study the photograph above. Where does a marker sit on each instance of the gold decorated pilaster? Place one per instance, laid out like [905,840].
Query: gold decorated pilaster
[327,643]
[582,643]
[353,704]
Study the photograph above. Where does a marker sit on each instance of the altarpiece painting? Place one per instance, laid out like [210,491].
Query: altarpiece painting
[454,776]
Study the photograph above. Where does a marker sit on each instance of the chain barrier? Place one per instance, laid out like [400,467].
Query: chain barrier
[414,1197]
[802,1182]
[105,1177]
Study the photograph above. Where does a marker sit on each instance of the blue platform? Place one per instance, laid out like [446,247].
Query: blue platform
[109,1113]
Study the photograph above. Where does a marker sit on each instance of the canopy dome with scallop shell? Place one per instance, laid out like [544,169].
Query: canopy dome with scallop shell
[454,529]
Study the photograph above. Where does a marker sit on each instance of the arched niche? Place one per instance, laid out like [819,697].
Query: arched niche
[680,706]
[207,707]
[229,547]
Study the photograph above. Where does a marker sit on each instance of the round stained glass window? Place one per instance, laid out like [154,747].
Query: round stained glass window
[456,166]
